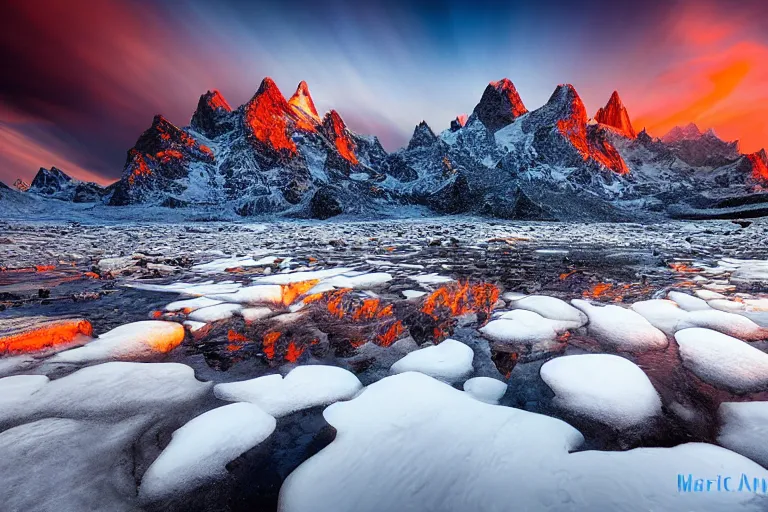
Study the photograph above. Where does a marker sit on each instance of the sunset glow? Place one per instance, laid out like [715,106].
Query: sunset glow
[95,74]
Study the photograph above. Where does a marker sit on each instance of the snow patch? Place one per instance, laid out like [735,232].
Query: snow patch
[303,387]
[602,387]
[200,450]
[450,361]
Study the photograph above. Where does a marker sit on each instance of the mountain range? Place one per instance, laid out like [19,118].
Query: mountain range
[274,155]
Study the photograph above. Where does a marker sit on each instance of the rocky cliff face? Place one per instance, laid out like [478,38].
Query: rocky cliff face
[615,115]
[500,105]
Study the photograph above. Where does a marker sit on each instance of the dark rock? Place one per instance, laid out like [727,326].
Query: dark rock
[324,205]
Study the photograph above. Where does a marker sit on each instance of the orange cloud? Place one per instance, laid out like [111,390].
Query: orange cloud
[717,78]
[19,151]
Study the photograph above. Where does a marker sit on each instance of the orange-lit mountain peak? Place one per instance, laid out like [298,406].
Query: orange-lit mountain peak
[336,130]
[500,105]
[615,115]
[458,122]
[266,115]
[759,162]
[301,101]
[216,101]
[570,117]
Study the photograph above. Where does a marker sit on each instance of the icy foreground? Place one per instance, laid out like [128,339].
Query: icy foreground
[447,364]
[390,454]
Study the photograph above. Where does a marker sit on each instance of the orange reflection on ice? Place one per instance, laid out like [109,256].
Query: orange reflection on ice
[294,352]
[292,291]
[268,345]
[597,291]
[683,267]
[462,298]
[46,336]
[391,334]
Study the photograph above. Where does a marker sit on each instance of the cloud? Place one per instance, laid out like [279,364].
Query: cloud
[20,151]
[716,77]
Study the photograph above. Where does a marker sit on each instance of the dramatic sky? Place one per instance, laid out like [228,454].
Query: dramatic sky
[83,78]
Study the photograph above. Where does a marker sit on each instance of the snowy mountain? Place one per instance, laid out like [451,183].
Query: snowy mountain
[274,155]
[56,184]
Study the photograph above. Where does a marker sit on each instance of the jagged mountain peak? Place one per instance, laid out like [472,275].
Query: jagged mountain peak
[212,116]
[21,185]
[336,131]
[615,115]
[566,95]
[215,100]
[759,164]
[700,149]
[54,172]
[564,103]
[678,133]
[569,135]
[301,102]
[459,122]
[500,105]
[266,118]
[423,136]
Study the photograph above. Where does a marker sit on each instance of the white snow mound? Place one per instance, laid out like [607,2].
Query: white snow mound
[723,361]
[485,389]
[744,428]
[130,342]
[200,450]
[450,361]
[602,387]
[303,387]
[621,329]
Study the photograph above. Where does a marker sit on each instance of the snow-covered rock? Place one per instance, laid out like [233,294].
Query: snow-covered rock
[663,314]
[189,289]
[731,324]
[16,392]
[129,342]
[393,439]
[215,313]
[111,390]
[303,387]
[553,309]
[366,280]
[200,450]
[743,429]
[602,387]
[189,305]
[297,277]
[259,294]
[222,264]
[668,317]
[723,361]
[621,329]
[430,279]
[521,327]
[255,314]
[485,389]
[413,294]
[688,302]
[390,453]
[450,361]
[61,464]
